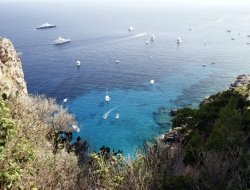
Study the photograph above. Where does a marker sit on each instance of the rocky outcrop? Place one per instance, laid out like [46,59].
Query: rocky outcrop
[12,82]
[241,81]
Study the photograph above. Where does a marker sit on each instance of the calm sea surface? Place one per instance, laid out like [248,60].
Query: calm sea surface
[100,37]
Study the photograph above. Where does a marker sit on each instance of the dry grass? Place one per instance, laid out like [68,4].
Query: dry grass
[34,118]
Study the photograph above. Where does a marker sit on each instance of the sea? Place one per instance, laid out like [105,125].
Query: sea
[207,61]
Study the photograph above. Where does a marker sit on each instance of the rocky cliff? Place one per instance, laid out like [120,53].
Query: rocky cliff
[11,73]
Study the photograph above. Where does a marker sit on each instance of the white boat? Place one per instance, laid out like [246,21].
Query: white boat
[76,128]
[150,57]
[65,100]
[179,40]
[131,28]
[46,25]
[152,37]
[78,63]
[117,61]
[61,40]
[147,42]
[117,115]
[107,98]
[152,81]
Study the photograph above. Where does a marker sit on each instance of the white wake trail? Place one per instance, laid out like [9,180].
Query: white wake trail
[105,115]
[220,20]
[137,35]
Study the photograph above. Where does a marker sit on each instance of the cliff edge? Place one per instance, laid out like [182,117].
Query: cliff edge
[11,73]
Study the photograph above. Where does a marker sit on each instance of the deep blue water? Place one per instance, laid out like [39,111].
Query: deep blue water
[99,37]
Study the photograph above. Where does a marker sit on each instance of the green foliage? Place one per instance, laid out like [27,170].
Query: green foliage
[106,170]
[13,152]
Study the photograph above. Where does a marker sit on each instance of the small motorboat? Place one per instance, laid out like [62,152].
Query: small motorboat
[146,42]
[232,38]
[152,37]
[117,61]
[179,40]
[150,57]
[213,63]
[107,98]
[229,31]
[78,63]
[76,128]
[203,65]
[190,29]
[65,100]
[152,81]
[117,115]
[248,36]
[131,28]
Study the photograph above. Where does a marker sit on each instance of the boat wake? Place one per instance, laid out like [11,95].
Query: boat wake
[105,115]
[220,20]
[137,35]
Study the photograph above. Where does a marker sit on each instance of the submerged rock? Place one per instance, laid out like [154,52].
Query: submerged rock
[162,117]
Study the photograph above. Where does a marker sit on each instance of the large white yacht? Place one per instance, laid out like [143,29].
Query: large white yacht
[46,25]
[61,40]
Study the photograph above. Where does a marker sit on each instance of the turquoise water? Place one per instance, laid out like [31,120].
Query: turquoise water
[99,37]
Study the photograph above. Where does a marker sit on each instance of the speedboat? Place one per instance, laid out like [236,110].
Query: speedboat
[203,65]
[131,28]
[117,61]
[152,37]
[61,40]
[117,115]
[65,100]
[179,40]
[46,25]
[76,128]
[78,63]
[107,98]
[152,81]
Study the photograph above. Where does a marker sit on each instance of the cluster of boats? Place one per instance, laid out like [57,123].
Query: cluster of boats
[59,40]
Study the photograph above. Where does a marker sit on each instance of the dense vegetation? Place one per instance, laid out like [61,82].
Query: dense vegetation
[36,153]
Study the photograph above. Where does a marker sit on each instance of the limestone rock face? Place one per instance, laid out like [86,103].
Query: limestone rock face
[12,82]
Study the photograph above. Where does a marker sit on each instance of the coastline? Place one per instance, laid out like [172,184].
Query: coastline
[176,135]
